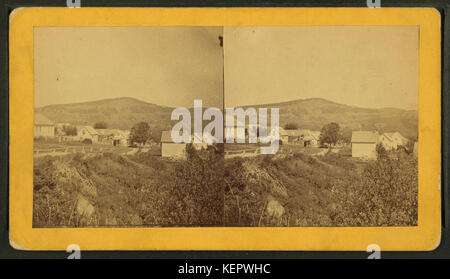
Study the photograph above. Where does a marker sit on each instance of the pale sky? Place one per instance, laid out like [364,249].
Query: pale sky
[369,67]
[364,66]
[168,66]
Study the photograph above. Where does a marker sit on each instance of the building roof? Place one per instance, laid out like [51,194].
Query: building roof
[364,136]
[106,132]
[294,133]
[90,130]
[310,135]
[40,119]
[117,133]
[396,135]
[394,138]
[386,137]
[282,131]
[307,134]
[207,138]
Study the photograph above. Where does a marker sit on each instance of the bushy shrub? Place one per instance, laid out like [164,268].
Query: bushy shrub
[386,196]
[44,173]
[197,190]
[51,204]
[207,190]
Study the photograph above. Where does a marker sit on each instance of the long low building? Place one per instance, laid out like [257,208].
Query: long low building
[43,127]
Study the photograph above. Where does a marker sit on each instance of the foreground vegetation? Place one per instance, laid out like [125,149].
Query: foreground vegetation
[207,190]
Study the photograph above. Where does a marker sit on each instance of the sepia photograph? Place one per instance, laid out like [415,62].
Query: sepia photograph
[225,126]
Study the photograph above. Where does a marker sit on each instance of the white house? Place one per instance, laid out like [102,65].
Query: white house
[392,140]
[364,144]
[87,132]
[43,127]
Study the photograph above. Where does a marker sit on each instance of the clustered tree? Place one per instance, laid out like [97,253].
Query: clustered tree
[387,195]
[140,133]
[69,130]
[346,135]
[100,125]
[291,126]
[330,134]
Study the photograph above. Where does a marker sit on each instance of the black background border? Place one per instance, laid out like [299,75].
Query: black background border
[6,251]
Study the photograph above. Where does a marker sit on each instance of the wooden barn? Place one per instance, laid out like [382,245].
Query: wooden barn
[364,144]
[170,148]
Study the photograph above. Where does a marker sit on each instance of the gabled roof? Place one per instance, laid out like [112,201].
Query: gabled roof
[386,136]
[310,135]
[207,138]
[113,132]
[294,133]
[282,131]
[106,132]
[307,134]
[396,135]
[40,119]
[394,138]
[364,136]
[90,130]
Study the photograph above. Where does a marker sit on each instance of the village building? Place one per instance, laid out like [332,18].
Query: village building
[233,132]
[178,150]
[295,137]
[114,137]
[202,142]
[105,136]
[391,141]
[87,132]
[283,135]
[302,137]
[271,134]
[310,138]
[121,138]
[43,127]
[170,148]
[364,144]
[255,130]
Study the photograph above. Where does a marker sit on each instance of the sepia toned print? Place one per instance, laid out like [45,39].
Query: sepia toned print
[341,106]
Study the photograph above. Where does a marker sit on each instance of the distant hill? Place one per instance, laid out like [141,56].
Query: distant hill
[316,112]
[123,113]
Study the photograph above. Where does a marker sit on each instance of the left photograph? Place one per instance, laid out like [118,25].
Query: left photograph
[103,152]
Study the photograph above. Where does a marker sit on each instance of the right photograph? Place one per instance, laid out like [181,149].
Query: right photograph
[342,103]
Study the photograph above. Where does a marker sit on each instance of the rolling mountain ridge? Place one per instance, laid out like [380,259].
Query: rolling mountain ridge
[312,114]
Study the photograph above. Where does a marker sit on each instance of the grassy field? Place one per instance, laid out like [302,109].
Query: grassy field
[54,144]
[142,189]
[286,148]
[47,147]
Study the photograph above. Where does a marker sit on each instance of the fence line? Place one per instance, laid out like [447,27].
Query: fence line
[72,149]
